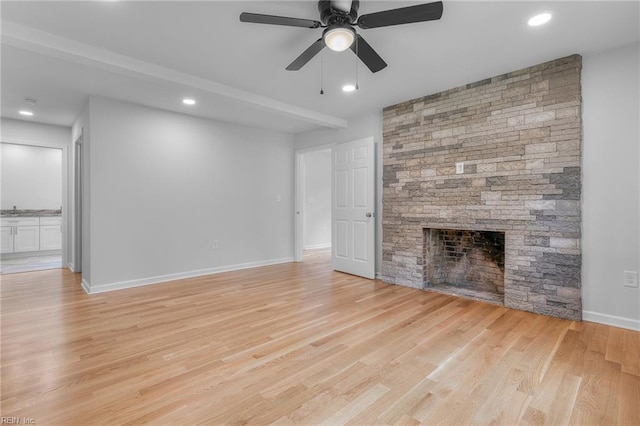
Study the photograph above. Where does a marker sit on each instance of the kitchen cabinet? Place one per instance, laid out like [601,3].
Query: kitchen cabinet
[6,239]
[22,234]
[50,233]
[30,234]
[26,238]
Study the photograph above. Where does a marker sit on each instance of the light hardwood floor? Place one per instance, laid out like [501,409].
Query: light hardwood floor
[300,344]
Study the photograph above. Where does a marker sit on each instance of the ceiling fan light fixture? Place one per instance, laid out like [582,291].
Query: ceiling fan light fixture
[348,88]
[339,19]
[339,38]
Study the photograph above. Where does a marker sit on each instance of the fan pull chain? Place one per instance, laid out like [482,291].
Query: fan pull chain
[322,73]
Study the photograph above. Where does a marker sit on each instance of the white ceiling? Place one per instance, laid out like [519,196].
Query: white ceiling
[156,53]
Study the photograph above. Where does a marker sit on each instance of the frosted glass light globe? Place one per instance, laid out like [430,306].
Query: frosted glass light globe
[339,39]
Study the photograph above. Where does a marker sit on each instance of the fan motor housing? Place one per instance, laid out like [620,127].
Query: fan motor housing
[331,16]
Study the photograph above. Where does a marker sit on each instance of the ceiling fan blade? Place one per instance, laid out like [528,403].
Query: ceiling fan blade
[404,15]
[367,55]
[307,55]
[258,18]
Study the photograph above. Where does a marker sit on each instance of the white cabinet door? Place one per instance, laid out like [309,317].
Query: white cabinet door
[6,239]
[26,238]
[50,237]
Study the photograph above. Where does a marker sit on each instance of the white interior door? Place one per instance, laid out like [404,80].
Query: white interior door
[352,207]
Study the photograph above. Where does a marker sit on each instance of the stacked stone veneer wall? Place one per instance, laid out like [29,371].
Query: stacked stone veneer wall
[519,136]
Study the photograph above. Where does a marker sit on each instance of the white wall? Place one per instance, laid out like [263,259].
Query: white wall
[30,132]
[611,186]
[368,125]
[31,177]
[317,199]
[164,186]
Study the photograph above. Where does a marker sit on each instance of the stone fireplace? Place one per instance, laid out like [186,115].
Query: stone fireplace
[518,137]
[465,262]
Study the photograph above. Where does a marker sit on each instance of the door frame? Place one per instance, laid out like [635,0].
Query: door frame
[66,202]
[298,245]
[75,250]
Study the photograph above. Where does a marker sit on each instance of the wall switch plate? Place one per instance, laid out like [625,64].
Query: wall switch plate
[214,245]
[630,279]
[459,168]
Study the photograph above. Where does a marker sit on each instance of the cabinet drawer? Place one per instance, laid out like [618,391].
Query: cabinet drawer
[50,220]
[20,221]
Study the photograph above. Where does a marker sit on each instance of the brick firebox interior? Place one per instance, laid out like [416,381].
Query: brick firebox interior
[519,137]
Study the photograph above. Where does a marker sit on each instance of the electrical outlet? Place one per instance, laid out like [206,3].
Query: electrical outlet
[631,279]
[214,245]
[459,168]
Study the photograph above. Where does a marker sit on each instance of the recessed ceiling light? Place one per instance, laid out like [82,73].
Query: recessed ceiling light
[540,19]
[188,101]
[348,88]
[27,113]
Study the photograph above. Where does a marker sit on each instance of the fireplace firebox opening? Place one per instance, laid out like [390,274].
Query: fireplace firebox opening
[465,263]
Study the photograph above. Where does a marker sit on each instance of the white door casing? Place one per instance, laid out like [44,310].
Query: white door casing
[353,208]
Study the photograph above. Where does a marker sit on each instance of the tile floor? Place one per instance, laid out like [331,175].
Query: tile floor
[28,264]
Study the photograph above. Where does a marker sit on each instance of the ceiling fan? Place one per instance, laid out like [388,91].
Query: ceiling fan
[338,18]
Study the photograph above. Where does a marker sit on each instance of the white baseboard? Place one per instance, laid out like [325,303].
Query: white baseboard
[621,322]
[178,276]
[317,246]
[86,286]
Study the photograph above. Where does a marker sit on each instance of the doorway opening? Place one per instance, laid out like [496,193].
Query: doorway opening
[315,201]
[31,207]
[351,189]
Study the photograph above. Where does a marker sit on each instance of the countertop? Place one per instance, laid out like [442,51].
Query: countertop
[30,213]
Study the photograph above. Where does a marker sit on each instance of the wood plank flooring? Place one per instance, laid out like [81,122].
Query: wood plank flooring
[301,344]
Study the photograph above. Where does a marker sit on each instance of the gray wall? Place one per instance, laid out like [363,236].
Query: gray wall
[611,186]
[164,186]
[34,133]
[31,177]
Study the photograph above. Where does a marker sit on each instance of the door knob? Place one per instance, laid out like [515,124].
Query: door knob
[369,214]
